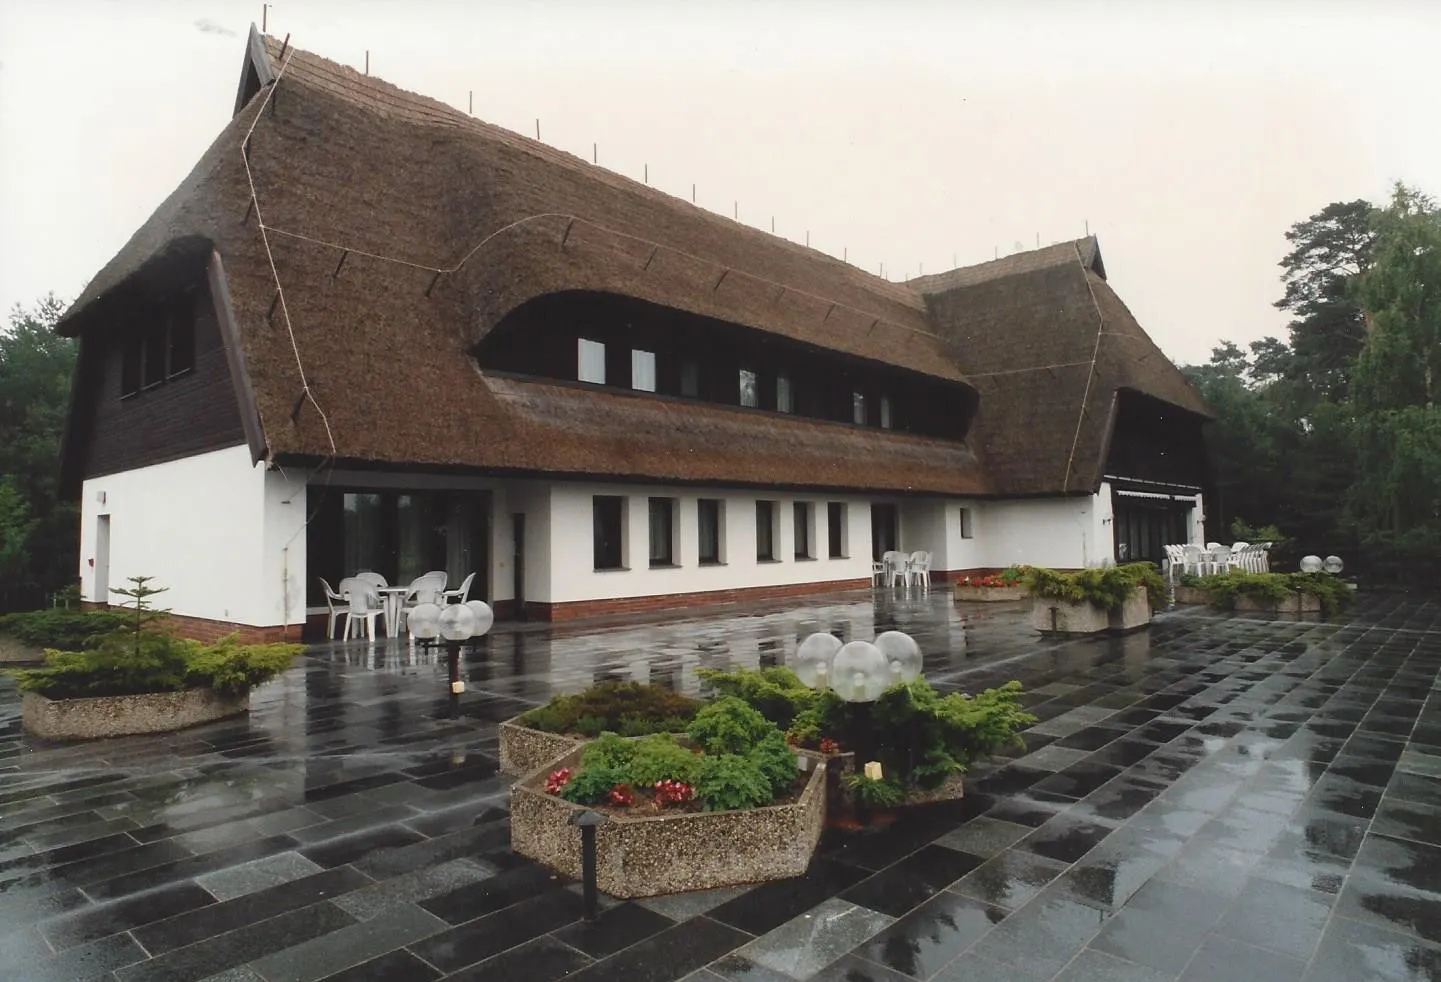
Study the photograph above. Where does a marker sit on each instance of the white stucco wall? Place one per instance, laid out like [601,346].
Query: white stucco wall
[199,527]
[573,576]
[1059,532]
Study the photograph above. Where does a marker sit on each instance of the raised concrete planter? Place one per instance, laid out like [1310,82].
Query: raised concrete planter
[523,750]
[1295,603]
[1134,613]
[647,856]
[110,716]
[988,594]
[16,652]
[1192,595]
[1070,618]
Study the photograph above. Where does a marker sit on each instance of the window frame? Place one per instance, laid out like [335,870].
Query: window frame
[803,528]
[659,559]
[837,529]
[967,518]
[717,558]
[785,395]
[858,407]
[599,540]
[887,420]
[754,390]
[638,361]
[766,507]
[597,349]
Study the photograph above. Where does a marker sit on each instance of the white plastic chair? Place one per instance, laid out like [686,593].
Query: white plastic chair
[918,568]
[373,578]
[335,603]
[462,594]
[1196,560]
[1263,558]
[1222,559]
[895,567]
[363,607]
[878,572]
[1175,562]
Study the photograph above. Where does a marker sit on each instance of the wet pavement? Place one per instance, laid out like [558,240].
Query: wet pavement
[1215,798]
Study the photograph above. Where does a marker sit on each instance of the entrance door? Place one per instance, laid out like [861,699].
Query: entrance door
[102,559]
[885,534]
[517,566]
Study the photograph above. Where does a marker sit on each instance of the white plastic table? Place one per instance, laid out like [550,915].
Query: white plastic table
[392,598]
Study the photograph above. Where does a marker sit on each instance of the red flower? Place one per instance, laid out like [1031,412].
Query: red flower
[557,780]
[672,793]
[829,746]
[622,794]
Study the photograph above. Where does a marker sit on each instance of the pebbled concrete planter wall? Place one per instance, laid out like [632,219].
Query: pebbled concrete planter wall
[109,716]
[1071,618]
[16,652]
[649,856]
[1134,613]
[988,594]
[1296,603]
[523,750]
[1192,595]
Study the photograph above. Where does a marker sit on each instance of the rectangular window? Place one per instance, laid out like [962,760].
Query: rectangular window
[130,358]
[801,514]
[155,344]
[749,394]
[181,357]
[709,525]
[836,528]
[965,523]
[858,408]
[591,367]
[662,531]
[608,512]
[885,412]
[765,531]
[642,370]
[785,402]
[690,379]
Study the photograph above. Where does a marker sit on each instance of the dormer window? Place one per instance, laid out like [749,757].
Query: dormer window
[858,408]
[591,356]
[161,350]
[749,389]
[785,401]
[885,412]
[642,370]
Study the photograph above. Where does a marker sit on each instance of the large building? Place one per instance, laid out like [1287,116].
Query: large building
[369,331]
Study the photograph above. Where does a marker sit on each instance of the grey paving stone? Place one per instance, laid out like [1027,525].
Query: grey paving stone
[1053,758]
[256,875]
[805,944]
[984,837]
[409,888]
[684,906]
[329,953]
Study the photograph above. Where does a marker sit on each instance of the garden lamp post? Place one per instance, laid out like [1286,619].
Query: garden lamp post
[455,624]
[858,672]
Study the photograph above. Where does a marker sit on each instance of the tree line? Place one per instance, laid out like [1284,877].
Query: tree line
[1333,435]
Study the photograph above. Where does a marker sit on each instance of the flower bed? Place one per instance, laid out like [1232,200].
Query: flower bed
[992,587]
[111,716]
[639,855]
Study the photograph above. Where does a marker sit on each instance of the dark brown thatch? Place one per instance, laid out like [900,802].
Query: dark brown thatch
[402,231]
[1049,345]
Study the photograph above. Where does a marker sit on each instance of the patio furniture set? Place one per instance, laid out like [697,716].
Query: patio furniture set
[904,568]
[366,597]
[1216,557]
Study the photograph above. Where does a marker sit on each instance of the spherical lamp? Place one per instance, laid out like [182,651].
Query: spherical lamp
[484,617]
[813,659]
[424,621]
[1332,565]
[457,622]
[902,654]
[860,672]
[1310,564]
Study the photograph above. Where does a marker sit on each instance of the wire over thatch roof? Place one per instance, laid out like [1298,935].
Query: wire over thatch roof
[399,231]
[1049,344]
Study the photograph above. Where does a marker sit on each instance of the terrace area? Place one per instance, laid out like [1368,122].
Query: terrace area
[1215,798]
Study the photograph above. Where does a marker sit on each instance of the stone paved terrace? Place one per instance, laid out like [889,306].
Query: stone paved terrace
[1217,798]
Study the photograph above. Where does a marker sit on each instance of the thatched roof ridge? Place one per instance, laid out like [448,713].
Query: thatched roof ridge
[1049,345]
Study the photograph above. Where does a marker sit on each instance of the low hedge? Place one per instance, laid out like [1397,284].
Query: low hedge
[1106,588]
[627,708]
[161,663]
[66,630]
[1272,588]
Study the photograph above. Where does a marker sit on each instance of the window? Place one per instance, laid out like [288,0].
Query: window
[642,370]
[749,393]
[162,350]
[591,366]
[858,408]
[709,523]
[690,378]
[130,359]
[155,343]
[965,523]
[766,531]
[785,402]
[608,513]
[182,348]
[662,531]
[885,412]
[801,513]
[836,528]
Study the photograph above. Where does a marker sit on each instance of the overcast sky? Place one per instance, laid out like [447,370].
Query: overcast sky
[1189,133]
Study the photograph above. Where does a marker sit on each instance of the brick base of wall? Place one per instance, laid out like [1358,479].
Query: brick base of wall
[209,631]
[578,609]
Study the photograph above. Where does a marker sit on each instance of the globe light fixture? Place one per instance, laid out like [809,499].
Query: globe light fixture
[454,624]
[1310,564]
[858,672]
[903,656]
[813,659]
[1332,565]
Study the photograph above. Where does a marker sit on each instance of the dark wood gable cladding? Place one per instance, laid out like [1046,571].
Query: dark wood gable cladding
[702,358]
[167,320]
[1155,443]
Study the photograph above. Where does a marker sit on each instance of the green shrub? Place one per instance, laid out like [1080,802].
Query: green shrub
[66,630]
[778,694]
[609,750]
[776,762]
[591,784]
[1107,588]
[623,707]
[660,758]
[231,668]
[825,717]
[728,726]
[923,737]
[729,781]
[1269,589]
[155,662]
[885,793]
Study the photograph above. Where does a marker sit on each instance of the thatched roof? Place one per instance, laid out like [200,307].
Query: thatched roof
[1049,344]
[402,231]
